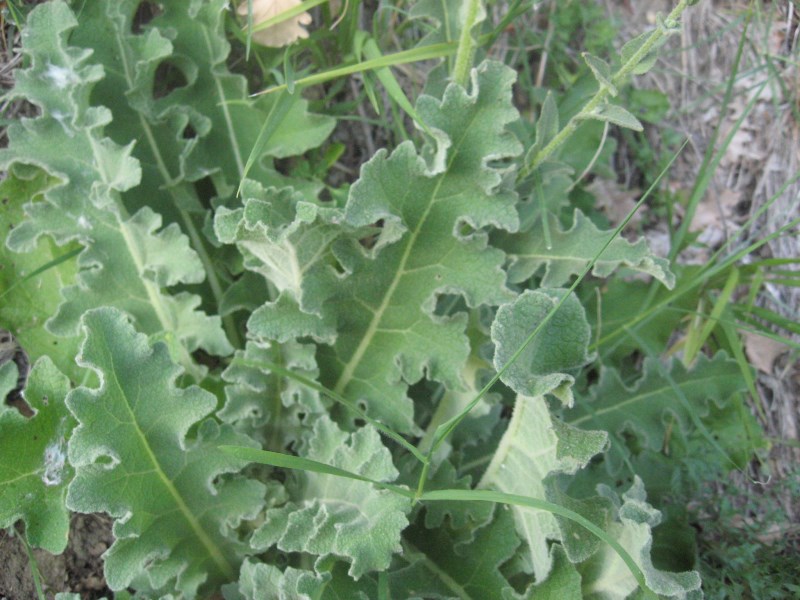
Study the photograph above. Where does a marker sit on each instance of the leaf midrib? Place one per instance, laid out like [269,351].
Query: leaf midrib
[355,360]
[170,184]
[377,317]
[640,397]
[213,551]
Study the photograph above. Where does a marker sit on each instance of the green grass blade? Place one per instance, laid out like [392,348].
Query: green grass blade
[298,463]
[514,10]
[249,36]
[48,265]
[737,349]
[34,567]
[445,429]
[276,115]
[288,71]
[784,442]
[388,60]
[713,268]
[535,503]
[391,85]
[691,351]
[743,323]
[769,316]
[711,159]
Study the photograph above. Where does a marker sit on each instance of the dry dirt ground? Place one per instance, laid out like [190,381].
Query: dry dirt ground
[764,154]
[79,569]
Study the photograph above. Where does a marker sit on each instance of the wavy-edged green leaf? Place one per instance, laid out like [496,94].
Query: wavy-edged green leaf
[258,581]
[560,347]
[127,259]
[563,583]
[265,405]
[533,448]
[176,511]
[572,249]
[339,516]
[33,459]
[286,239]
[169,79]
[440,565]
[431,243]
[606,577]
[28,298]
[650,408]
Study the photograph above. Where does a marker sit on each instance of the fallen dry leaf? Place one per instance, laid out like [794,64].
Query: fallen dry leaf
[281,34]
[762,351]
[616,201]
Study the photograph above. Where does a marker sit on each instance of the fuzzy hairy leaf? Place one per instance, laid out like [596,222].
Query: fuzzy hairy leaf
[560,347]
[530,451]
[338,516]
[264,405]
[431,243]
[176,512]
[33,459]
[601,71]
[606,577]
[26,304]
[286,240]
[127,259]
[572,249]
[651,407]
[440,565]
[649,60]
[563,583]
[259,580]
[616,115]
[169,80]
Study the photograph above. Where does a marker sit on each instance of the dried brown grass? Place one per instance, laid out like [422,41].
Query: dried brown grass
[763,156]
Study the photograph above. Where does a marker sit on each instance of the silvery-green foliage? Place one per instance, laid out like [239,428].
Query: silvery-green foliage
[319,331]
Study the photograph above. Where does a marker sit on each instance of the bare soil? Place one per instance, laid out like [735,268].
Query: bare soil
[79,569]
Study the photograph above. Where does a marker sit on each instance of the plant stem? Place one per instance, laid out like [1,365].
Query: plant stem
[604,91]
[213,279]
[466,44]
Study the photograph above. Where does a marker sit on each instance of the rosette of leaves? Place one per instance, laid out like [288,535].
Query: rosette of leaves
[377,289]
